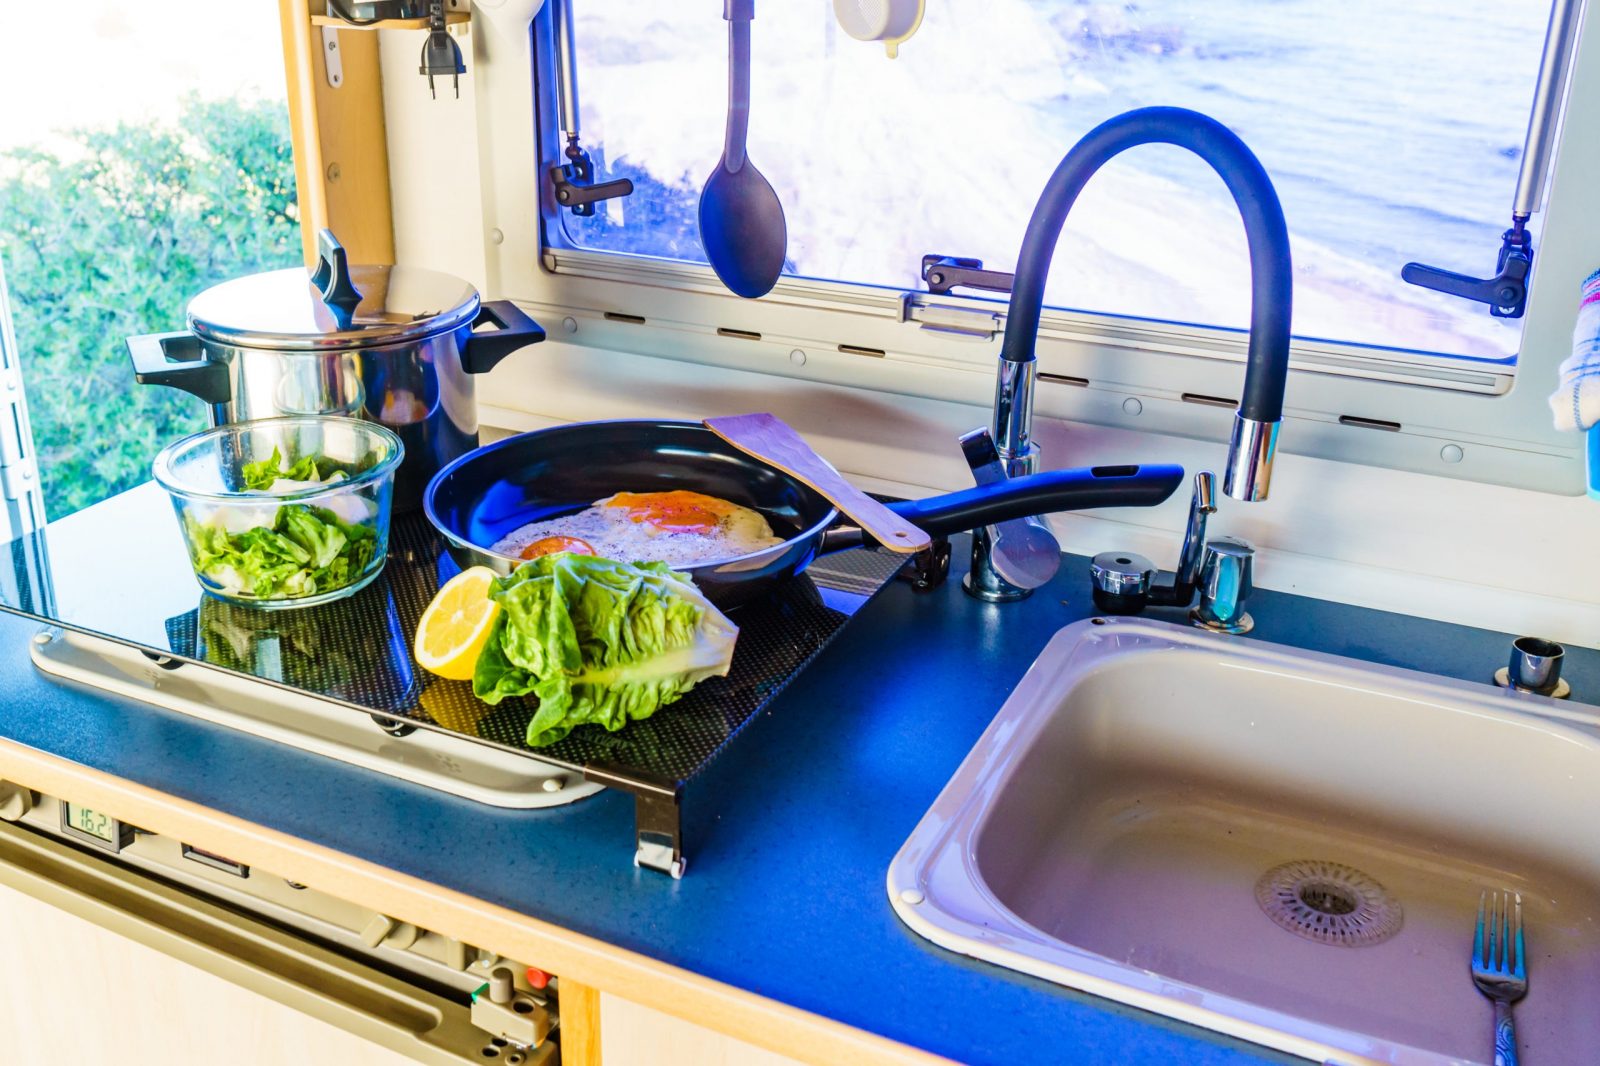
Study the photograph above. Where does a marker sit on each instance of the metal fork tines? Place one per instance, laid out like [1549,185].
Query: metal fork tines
[1500,966]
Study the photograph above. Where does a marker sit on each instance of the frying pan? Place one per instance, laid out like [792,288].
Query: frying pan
[488,493]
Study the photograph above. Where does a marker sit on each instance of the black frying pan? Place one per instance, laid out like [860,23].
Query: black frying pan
[486,494]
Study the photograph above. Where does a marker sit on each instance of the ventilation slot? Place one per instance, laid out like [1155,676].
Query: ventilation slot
[739,334]
[618,316]
[856,349]
[1369,423]
[1209,401]
[1064,379]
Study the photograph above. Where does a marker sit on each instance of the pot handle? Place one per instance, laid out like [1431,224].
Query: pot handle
[1039,494]
[514,329]
[332,279]
[179,360]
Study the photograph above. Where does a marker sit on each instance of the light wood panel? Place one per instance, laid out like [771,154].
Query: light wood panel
[639,1036]
[579,1034]
[341,150]
[743,1015]
[72,992]
[451,18]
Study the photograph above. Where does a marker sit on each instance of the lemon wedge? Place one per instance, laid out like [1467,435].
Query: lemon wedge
[456,625]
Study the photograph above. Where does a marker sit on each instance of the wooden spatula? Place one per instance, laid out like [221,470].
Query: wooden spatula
[770,439]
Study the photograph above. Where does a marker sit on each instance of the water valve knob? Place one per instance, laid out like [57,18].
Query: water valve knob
[1121,581]
[1227,572]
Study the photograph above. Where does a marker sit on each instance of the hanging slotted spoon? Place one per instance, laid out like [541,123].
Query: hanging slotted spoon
[741,221]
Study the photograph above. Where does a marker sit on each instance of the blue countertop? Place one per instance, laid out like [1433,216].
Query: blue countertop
[789,834]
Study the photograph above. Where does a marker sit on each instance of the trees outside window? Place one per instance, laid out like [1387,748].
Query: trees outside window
[109,232]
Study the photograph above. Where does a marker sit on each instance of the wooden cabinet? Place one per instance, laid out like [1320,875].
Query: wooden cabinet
[631,1035]
[72,992]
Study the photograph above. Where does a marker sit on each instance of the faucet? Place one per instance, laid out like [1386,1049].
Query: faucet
[1255,425]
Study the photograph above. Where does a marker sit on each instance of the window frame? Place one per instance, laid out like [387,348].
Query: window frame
[21,498]
[1347,402]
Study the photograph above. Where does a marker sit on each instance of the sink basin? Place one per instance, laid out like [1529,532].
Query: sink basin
[1280,845]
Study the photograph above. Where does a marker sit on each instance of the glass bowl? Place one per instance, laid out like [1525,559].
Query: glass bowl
[314,534]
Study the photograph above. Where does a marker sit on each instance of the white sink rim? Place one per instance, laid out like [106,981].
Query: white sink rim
[935,874]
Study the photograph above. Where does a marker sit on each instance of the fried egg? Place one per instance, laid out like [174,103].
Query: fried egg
[679,528]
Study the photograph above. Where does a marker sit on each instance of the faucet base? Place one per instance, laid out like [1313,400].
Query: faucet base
[994,592]
[982,581]
[1243,624]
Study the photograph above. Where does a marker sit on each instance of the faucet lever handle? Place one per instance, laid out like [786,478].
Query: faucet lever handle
[1023,551]
[977,447]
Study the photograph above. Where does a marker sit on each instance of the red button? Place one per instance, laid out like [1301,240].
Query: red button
[537,978]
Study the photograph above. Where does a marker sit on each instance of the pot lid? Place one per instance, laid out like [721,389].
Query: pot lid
[285,309]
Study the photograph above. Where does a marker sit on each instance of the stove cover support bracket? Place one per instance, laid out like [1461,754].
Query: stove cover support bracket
[657,819]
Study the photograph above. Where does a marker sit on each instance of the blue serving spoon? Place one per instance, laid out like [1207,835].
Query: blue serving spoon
[741,221]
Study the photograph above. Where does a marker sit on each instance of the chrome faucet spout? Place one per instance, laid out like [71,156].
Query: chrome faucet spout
[1255,430]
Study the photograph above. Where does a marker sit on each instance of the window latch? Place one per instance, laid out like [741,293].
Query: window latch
[1506,293]
[945,272]
[575,187]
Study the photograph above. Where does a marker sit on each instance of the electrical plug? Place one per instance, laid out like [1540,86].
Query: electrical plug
[440,53]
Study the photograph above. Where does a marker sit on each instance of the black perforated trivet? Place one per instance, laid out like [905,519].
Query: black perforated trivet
[358,651]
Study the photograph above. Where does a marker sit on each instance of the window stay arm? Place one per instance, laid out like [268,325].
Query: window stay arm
[1507,292]
[573,182]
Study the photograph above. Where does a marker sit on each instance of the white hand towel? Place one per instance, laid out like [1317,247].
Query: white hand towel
[1576,403]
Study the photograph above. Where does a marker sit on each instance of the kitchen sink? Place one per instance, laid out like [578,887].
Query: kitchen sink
[1280,845]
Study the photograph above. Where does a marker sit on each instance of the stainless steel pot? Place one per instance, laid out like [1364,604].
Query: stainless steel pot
[395,345]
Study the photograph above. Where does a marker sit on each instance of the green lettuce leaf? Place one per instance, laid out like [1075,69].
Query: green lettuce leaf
[320,539]
[598,641]
[305,551]
[259,476]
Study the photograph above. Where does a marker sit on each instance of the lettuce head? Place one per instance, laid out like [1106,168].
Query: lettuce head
[599,641]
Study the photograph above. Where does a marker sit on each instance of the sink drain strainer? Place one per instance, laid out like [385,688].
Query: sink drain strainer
[1329,902]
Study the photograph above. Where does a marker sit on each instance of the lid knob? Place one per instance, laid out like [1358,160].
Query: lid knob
[332,279]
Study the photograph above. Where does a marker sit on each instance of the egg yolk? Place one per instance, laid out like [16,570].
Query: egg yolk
[679,511]
[552,545]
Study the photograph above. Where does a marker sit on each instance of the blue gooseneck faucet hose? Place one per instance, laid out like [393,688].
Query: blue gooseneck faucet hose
[1270,271]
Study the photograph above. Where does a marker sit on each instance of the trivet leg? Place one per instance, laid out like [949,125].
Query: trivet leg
[658,830]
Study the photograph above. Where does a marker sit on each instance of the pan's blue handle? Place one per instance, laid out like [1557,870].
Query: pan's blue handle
[1039,494]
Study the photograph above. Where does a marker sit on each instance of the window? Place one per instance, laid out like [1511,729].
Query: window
[144,162]
[1382,374]
[1392,131]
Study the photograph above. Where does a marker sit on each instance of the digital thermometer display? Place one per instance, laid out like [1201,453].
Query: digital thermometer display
[91,827]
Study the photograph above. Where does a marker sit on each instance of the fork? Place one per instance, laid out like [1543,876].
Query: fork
[1500,967]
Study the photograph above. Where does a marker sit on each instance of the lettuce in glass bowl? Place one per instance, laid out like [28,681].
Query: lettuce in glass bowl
[284,512]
